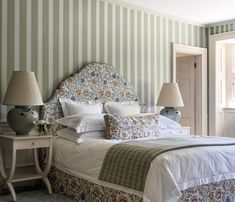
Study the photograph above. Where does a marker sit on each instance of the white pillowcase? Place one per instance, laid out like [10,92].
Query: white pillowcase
[122,108]
[72,135]
[84,122]
[165,122]
[70,107]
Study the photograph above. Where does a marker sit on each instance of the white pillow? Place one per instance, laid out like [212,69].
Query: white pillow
[72,135]
[122,108]
[84,122]
[70,107]
[165,122]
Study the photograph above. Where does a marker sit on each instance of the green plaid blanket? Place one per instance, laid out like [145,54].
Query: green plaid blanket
[127,163]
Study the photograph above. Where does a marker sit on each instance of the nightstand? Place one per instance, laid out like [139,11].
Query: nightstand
[182,131]
[24,142]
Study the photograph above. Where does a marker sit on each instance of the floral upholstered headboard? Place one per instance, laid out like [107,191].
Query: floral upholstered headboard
[94,81]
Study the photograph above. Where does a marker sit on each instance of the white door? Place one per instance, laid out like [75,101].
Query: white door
[185,77]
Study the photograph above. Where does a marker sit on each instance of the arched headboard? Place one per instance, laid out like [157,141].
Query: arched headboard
[94,81]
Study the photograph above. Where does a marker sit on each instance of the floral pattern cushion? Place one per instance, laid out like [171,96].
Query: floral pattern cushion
[95,81]
[131,127]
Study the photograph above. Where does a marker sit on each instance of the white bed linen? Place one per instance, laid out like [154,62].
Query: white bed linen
[166,175]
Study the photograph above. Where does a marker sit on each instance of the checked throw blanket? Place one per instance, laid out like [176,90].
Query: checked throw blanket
[127,163]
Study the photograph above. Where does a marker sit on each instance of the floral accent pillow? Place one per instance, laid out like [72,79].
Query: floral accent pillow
[131,127]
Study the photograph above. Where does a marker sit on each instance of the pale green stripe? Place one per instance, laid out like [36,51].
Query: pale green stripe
[183,33]
[132,51]
[101,31]
[10,38]
[212,30]
[198,36]
[222,28]
[164,50]
[23,6]
[170,31]
[66,50]
[124,52]
[139,53]
[195,35]
[168,51]
[84,33]
[158,54]
[66,38]
[205,45]
[56,43]
[93,31]
[201,36]
[110,33]
[177,37]
[152,44]
[189,35]
[145,82]
[117,40]
[231,27]
[45,48]
[75,35]
[217,29]
[34,45]
[227,27]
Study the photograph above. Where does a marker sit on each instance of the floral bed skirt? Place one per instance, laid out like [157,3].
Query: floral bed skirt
[83,190]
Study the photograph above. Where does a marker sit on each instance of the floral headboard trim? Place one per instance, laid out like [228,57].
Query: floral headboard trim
[94,81]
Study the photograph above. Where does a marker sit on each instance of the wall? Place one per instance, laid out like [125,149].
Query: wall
[54,38]
[222,27]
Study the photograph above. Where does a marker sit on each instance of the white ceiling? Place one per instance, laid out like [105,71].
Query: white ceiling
[198,11]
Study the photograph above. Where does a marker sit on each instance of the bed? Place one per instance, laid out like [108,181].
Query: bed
[76,166]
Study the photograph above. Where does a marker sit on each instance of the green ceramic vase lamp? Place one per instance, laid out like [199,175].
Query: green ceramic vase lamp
[170,98]
[23,93]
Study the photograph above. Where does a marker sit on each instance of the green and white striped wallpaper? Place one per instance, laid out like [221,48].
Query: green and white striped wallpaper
[54,38]
[221,27]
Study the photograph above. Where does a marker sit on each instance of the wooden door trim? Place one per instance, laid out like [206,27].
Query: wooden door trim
[213,74]
[202,64]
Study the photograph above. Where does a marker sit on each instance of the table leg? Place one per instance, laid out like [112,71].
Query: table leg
[47,169]
[6,179]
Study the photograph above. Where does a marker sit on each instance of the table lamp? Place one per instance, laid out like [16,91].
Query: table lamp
[23,93]
[170,98]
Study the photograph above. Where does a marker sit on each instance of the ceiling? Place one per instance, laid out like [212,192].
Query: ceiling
[198,11]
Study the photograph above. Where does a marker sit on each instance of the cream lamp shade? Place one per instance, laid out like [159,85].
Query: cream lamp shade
[23,90]
[170,96]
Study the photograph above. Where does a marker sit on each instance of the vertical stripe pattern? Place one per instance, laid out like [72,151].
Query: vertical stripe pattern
[221,27]
[54,38]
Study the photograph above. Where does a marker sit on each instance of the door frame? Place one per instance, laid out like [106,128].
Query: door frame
[213,84]
[201,100]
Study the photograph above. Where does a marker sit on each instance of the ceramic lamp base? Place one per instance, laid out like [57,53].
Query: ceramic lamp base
[20,119]
[171,113]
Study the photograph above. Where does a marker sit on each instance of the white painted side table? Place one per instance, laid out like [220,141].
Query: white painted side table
[24,142]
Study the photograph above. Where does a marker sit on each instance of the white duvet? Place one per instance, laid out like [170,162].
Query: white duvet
[168,174]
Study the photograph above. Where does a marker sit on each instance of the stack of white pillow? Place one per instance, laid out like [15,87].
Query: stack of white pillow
[86,119]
